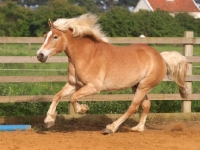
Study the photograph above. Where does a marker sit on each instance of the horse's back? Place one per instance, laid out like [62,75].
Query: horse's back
[135,55]
[128,65]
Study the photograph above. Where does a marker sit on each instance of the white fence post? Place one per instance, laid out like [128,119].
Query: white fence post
[188,51]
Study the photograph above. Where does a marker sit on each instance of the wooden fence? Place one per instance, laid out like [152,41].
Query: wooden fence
[187,41]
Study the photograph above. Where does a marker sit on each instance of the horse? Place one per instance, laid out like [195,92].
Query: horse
[96,65]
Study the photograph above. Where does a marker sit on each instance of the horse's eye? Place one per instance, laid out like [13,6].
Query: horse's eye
[55,36]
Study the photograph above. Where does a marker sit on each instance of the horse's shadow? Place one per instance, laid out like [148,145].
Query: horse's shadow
[86,123]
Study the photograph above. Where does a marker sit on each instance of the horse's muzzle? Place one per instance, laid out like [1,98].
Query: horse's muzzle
[41,57]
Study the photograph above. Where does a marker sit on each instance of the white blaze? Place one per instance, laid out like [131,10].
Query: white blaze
[42,50]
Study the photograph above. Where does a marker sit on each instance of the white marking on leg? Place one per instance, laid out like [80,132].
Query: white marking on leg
[115,125]
[77,107]
[141,125]
[84,91]
[51,114]
[66,90]
[145,106]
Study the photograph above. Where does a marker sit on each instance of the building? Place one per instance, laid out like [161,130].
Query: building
[171,6]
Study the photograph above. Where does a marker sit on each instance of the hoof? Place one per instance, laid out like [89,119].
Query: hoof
[49,124]
[49,121]
[84,109]
[107,131]
[137,129]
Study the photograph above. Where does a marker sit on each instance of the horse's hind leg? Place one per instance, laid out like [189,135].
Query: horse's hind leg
[145,110]
[51,114]
[146,104]
[137,100]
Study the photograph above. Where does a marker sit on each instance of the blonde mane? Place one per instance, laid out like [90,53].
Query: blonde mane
[81,26]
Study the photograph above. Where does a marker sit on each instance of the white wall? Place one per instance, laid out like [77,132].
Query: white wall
[142,4]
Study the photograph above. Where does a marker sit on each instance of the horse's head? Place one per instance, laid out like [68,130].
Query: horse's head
[53,44]
[55,40]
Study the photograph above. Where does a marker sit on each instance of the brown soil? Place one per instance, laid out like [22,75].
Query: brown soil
[87,136]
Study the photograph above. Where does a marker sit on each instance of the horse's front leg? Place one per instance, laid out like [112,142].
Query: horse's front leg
[84,91]
[51,114]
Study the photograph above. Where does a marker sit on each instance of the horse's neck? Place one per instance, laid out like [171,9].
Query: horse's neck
[79,48]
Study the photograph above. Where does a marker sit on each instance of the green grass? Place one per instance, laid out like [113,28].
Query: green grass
[18,49]
[46,69]
[26,50]
[179,48]
[35,69]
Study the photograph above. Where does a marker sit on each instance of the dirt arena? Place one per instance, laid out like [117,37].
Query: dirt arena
[87,136]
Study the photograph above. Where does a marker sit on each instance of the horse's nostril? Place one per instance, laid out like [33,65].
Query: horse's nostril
[41,55]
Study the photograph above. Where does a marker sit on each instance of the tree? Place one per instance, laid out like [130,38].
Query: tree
[127,3]
[90,5]
[14,20]
[53,10]
[142,22]
[188,23]
[121,22]
[29,2]
[156,24]
[117,22]
[164,25]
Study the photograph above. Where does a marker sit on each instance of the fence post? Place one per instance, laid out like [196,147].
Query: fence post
[188,51]
[4,44]
[29,46]
[71,109]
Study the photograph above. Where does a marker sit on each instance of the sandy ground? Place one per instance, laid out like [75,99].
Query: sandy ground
[87,136]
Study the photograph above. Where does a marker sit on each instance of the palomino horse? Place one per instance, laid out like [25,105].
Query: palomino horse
[95,65]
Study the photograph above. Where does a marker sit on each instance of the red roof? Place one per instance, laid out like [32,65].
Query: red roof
[174,5]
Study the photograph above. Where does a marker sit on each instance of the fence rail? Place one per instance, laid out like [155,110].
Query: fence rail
[17,79]
[113,40]
[59,59]
[97,97]
[187,41]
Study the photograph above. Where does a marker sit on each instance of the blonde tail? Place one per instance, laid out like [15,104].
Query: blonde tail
[177,69]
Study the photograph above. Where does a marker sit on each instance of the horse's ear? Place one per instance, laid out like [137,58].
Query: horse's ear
[50,23]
